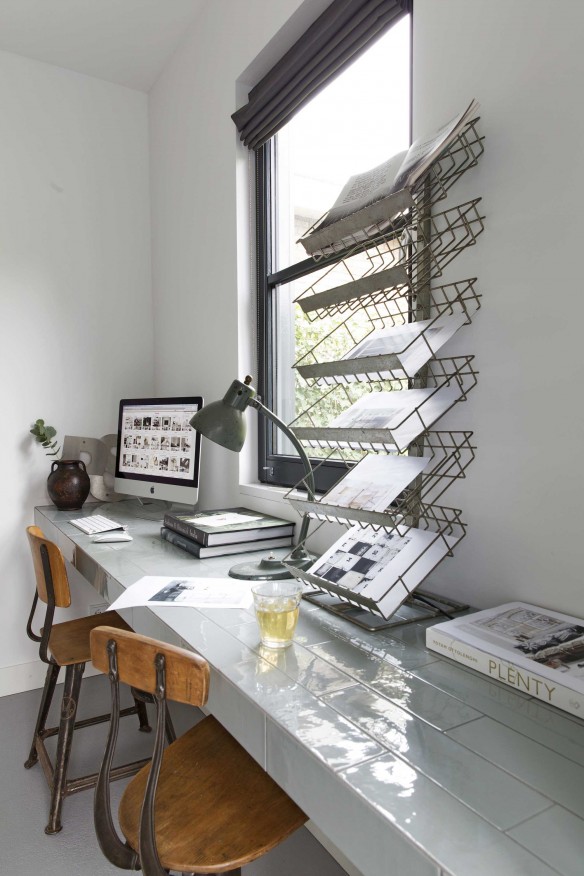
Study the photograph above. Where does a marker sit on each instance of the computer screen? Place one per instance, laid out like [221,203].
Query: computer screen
[158,453]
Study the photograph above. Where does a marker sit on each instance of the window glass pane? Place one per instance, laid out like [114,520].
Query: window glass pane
[361,119]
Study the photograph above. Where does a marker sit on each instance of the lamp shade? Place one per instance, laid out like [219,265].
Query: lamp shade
[222,424]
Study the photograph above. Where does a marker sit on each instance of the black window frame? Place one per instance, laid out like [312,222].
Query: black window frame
[274,468]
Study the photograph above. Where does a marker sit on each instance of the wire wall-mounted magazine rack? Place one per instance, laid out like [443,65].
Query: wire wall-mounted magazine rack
[380,382]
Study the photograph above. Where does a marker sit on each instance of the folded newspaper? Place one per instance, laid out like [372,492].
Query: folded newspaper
[370,200]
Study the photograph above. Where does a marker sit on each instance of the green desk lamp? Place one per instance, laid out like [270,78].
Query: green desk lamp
[223,423]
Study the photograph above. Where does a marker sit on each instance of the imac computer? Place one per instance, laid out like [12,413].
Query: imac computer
[158,453]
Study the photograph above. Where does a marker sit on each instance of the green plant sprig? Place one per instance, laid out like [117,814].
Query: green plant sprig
[45,435]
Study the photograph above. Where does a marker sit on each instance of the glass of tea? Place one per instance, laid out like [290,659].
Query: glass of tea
[276,606]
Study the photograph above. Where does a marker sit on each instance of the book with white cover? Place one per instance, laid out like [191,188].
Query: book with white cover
[535,650]
[374,483]
[414,343]
[371,199]
[379,565]
[406,414]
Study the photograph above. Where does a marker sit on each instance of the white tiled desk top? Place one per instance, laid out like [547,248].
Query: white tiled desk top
[408,762]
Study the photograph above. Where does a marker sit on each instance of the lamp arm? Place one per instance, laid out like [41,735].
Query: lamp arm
[309,477]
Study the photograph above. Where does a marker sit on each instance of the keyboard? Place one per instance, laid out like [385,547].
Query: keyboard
[96,523]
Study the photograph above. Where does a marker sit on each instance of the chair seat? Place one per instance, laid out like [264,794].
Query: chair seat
[69,642]
[216,809]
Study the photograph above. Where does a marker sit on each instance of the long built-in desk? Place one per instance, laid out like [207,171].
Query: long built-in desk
[407,762]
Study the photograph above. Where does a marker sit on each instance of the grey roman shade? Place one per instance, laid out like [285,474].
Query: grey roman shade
[337,37]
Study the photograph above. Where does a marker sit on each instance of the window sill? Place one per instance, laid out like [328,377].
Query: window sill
[272,500]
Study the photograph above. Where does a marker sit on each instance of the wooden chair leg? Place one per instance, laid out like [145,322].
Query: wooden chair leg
[73,677]
[45,704]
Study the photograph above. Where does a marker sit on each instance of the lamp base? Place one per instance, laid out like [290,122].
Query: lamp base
[270,569]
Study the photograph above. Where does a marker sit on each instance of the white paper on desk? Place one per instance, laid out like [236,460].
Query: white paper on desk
[156,590]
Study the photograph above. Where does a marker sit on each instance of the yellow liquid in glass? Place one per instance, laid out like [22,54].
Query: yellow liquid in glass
[277,623]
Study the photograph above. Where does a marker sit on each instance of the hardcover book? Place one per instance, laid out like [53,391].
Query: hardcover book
[534,650]
[200,551]
[228,526]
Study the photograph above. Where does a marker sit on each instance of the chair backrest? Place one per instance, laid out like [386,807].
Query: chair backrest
[166,672]
[49,566]
[52,586]
[186,673]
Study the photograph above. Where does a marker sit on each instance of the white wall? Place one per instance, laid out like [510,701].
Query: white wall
[75,296]
[523,62]
[201,272]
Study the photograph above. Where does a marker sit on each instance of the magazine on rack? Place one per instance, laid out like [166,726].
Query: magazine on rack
[380,565]
[414,343]
[374,483]
[406,414]
[535,650]
[372,198]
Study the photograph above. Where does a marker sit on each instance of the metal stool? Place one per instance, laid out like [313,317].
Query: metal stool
[68,644]
[203,805]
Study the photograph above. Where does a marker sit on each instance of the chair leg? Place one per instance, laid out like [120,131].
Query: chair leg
[69,704]
[141,698]
[169,728]
[142,716]
[45,704]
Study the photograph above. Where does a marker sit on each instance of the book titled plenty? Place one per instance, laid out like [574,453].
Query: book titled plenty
[228,526]
[535,650]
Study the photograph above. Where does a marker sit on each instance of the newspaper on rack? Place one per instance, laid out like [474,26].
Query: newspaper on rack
[370,200]
[374,483]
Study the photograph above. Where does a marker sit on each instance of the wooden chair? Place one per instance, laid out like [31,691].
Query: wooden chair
[68,644]
[203,805]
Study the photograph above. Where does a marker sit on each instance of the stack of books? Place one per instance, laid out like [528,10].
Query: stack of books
[226,531]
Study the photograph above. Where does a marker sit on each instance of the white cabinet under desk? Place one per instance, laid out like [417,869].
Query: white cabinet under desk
[407,762]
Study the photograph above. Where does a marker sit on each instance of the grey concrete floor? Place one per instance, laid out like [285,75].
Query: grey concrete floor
[24,797]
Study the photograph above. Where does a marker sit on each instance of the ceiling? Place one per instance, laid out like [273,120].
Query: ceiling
[123,41]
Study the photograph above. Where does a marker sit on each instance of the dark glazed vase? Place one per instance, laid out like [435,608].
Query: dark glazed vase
[68,484]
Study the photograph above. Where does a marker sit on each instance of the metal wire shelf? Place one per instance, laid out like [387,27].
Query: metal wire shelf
[450,453]
[417,258]
[316,367]
[456,374]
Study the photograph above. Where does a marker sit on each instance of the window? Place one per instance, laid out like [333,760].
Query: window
[355,123]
